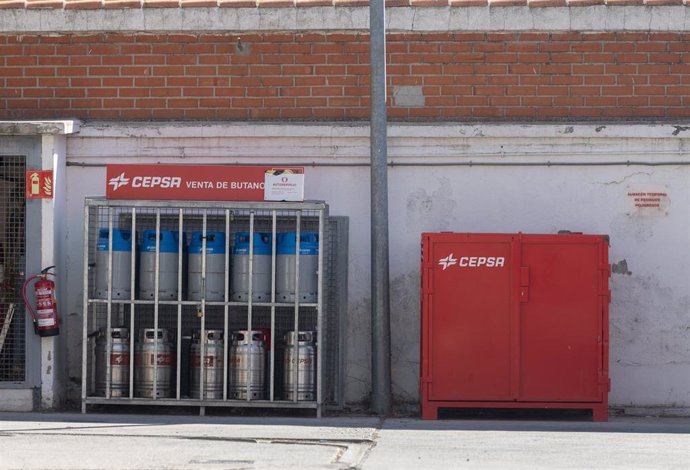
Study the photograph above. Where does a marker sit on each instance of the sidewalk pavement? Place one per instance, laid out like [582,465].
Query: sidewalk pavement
[117,441]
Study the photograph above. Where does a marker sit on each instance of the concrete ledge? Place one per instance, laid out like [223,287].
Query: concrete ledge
[329,18]
[184,129]
[39,127]
[652,411]
[348,144]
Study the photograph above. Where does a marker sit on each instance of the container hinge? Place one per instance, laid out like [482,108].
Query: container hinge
[425,378]
[606,269]
[604,383]
[524,284]
[606,293]
[426,281]
[524,276]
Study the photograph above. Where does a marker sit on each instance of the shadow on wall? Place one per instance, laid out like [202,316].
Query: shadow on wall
[358,354]
[405,331]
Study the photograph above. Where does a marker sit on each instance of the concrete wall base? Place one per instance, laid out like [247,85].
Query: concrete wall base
[652,411]
[16,399]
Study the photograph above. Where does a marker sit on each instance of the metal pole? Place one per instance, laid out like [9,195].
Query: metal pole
[250,305]
[180,253]
[320,319]
[132,292]
[295,369]
[226,299]
[202,334]
[156,305]
[272,352]
[85,350]
[109,315]
[380,308]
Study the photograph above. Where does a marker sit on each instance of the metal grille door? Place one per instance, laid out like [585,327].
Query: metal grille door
[143,263]
[12,262]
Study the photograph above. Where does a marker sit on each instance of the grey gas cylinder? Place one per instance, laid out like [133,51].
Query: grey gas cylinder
[304,361]
[145,360]
[261,267]
[119,362]
[215,266]
[214,354]
[121,265]
[286,248]
[247,365]
[169,258]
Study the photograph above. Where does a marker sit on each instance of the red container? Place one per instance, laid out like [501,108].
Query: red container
[515,321]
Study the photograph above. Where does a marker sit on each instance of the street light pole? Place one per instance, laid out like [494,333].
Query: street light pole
[380,305]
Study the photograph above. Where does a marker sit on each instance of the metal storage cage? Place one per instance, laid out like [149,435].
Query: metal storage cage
[149,304]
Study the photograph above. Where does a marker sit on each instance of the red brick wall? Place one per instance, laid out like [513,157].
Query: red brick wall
[324,76]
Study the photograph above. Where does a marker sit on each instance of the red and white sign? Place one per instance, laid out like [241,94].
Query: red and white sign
[187,182]
[472,261]
[39,184]
[284,185]
[647,200]
[119,359]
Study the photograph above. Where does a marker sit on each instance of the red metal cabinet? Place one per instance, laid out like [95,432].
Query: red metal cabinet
[514,320]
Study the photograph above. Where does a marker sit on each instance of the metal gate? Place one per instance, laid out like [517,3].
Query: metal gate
[180,315]
[12,262]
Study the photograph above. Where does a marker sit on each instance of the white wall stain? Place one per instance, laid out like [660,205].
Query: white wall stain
[431,208]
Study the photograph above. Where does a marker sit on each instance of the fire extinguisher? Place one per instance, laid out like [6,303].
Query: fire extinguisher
[45,318]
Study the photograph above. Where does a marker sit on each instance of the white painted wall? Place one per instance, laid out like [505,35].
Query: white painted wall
[650,310]
[44,144]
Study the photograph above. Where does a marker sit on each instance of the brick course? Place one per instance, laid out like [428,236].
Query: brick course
[290,76]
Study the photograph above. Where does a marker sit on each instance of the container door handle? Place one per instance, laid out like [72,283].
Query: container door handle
[524,284]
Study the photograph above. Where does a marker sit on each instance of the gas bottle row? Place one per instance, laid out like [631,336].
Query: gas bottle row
[168,259]
[247,364]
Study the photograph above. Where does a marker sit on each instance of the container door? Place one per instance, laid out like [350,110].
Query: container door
[560,319]
[469,317]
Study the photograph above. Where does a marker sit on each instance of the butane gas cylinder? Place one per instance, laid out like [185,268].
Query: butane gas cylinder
[169,257]
[214,349]
[286,248]
[121,267]
[145,358]
[261,267]
[247,365]
[215,266]
[305,342]
[119,362]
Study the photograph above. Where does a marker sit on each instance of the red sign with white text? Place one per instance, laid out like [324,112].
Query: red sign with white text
[187,182]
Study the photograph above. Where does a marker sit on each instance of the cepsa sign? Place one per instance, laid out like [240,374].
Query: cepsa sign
[187,182]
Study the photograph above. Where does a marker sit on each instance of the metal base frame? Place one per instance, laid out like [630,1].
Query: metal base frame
[599,410]
[193,402]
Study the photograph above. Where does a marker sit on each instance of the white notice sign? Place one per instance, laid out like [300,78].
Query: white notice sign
[283,185]
[647,200]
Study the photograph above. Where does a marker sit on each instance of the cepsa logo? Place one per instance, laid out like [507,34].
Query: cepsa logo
[472,261]
[145,181]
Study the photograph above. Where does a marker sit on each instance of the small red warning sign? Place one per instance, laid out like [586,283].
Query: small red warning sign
[39,184]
